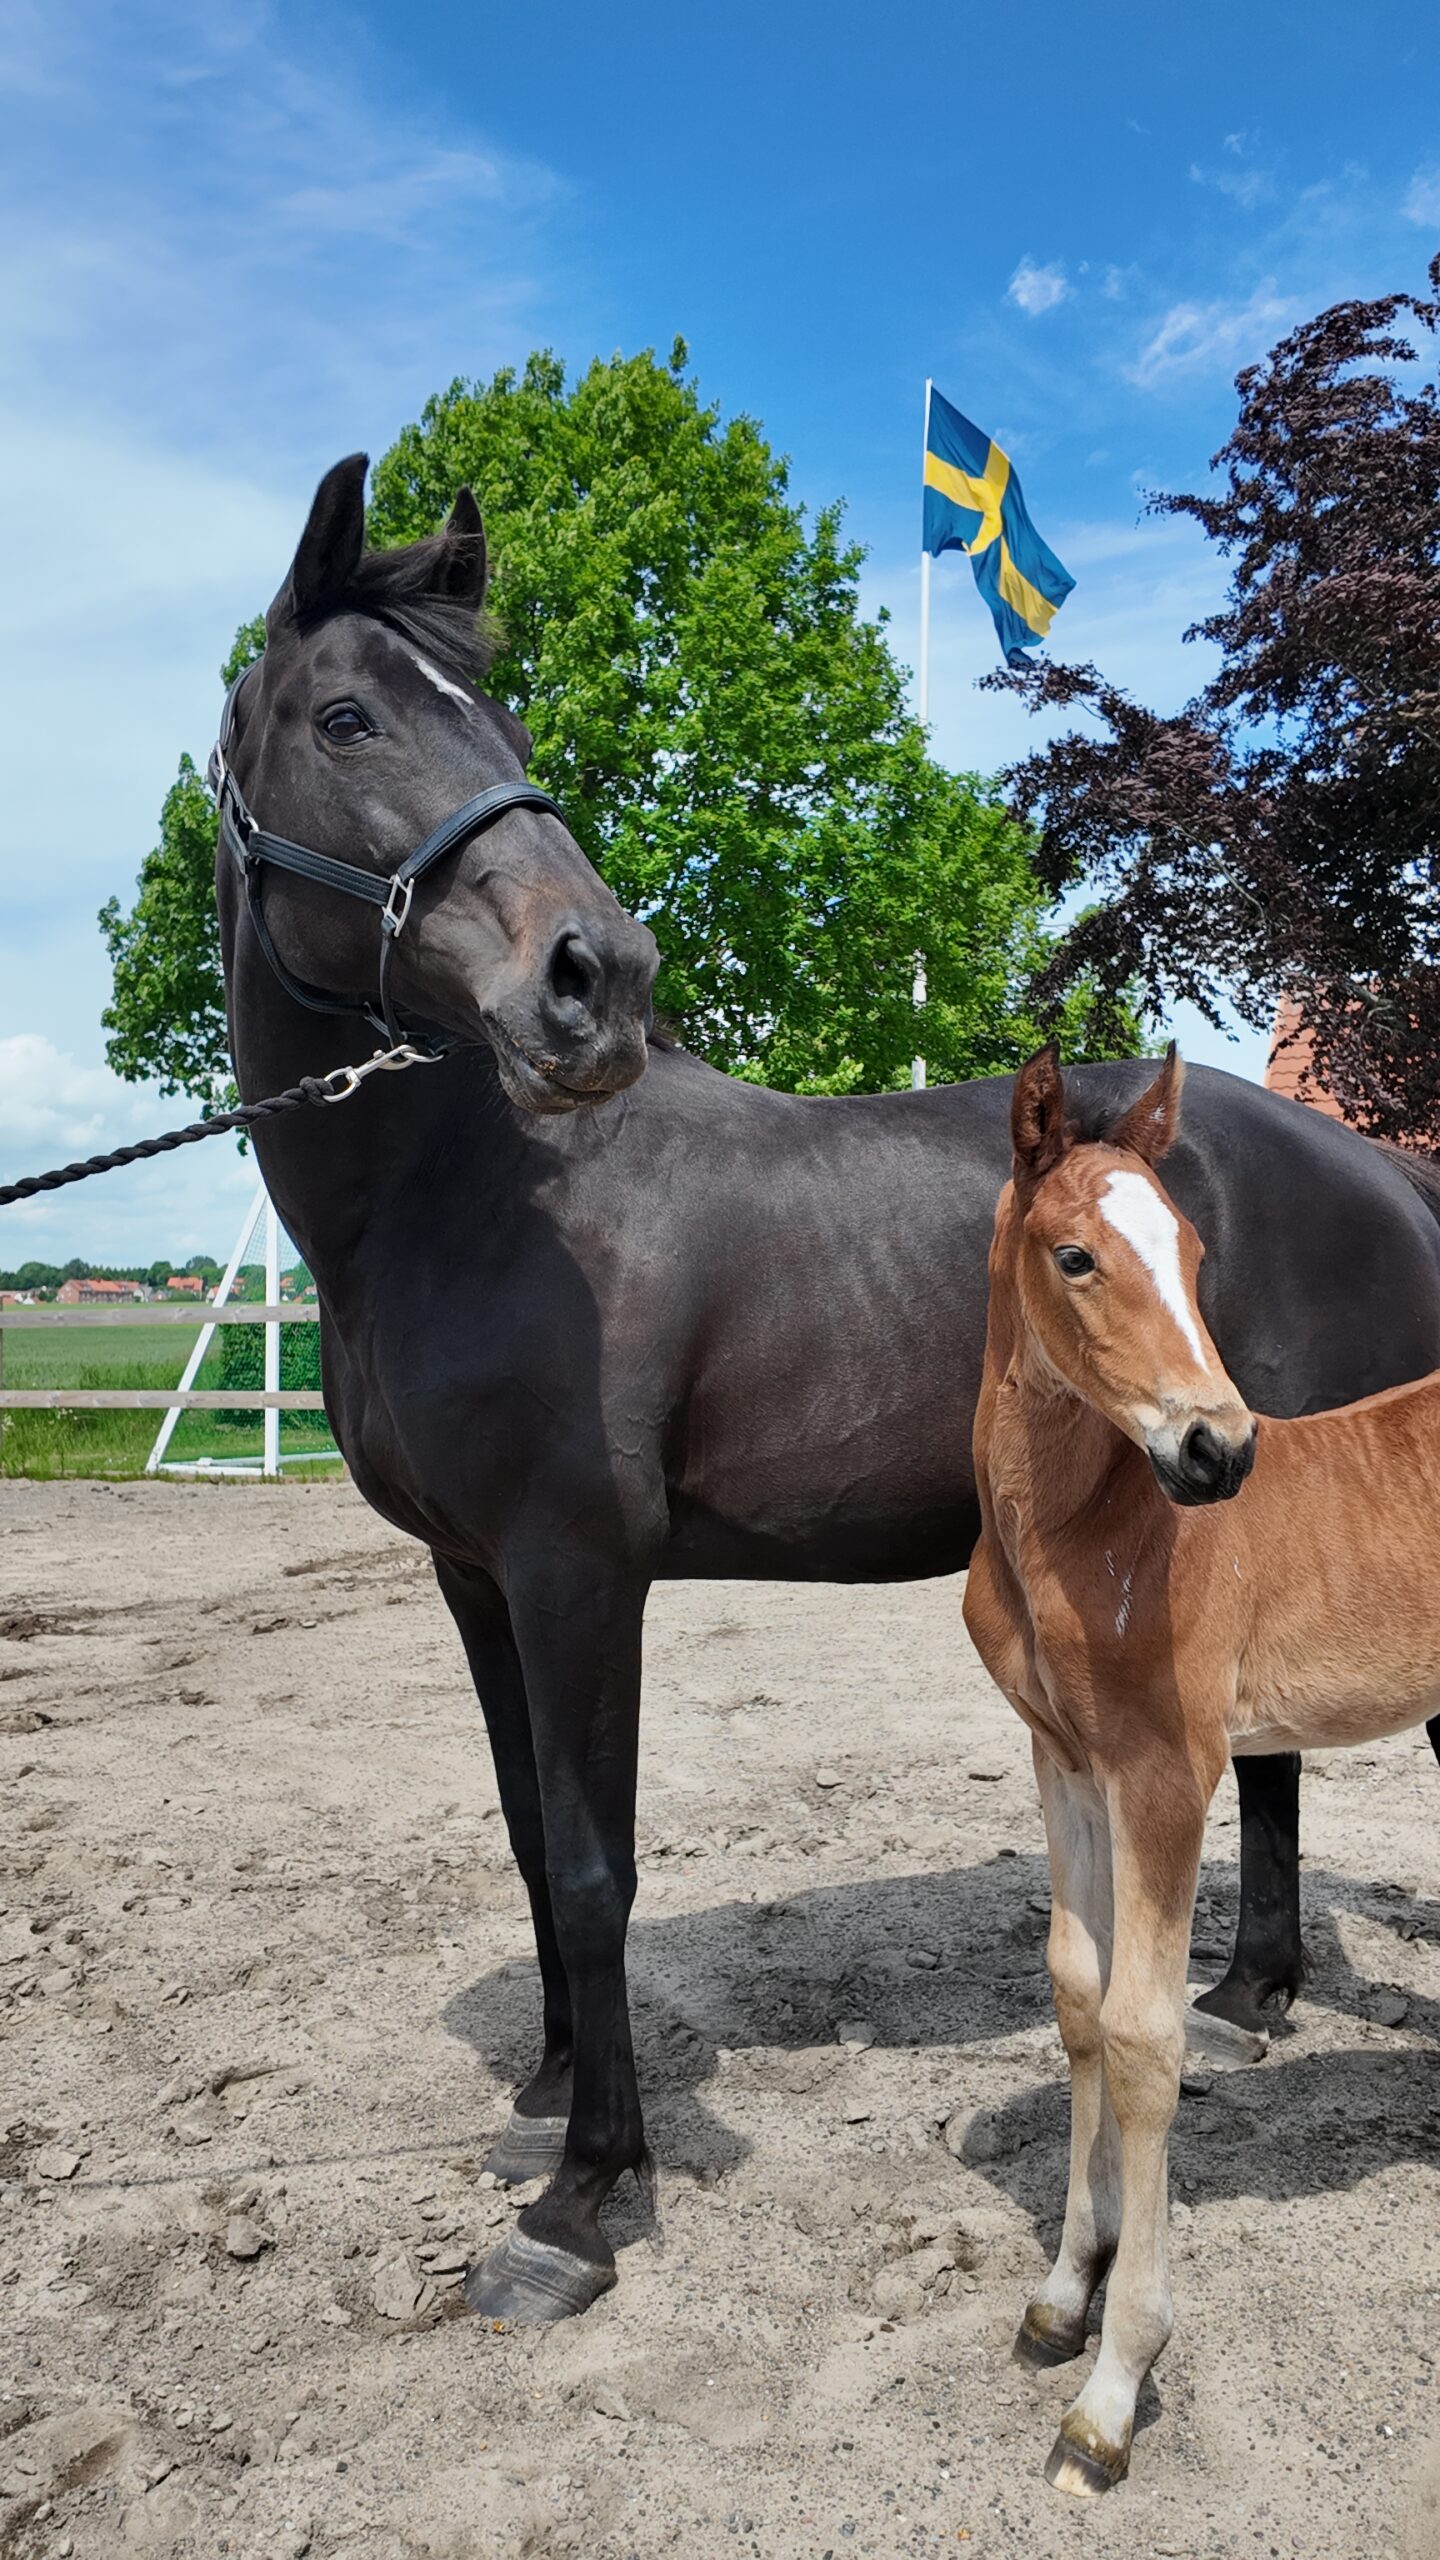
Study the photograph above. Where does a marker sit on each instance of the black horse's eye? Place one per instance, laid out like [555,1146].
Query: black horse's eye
[1074,1261]
[345,724]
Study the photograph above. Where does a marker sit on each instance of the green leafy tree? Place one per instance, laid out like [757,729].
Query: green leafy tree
[166,1015]
[725,731]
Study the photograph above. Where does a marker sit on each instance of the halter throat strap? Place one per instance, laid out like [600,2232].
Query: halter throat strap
[253,847]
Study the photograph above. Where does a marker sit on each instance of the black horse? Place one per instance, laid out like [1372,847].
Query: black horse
[705,1330]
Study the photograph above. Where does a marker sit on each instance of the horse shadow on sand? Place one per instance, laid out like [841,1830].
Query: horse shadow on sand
[957,1960]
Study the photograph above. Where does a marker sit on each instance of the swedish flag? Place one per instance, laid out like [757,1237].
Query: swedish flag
[973,503]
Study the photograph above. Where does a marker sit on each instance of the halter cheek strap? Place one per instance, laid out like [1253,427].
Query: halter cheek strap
[252,847]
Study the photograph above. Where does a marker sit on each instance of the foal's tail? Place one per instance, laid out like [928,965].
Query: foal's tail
[1422,1172]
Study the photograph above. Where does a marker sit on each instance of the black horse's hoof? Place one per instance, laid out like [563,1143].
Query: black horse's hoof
[529,2147]
[1083,2465]
[1221,2037]
[1252,2002]
[531,2282]
[1045,2339]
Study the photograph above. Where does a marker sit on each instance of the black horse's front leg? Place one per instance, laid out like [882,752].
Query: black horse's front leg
[579,1645]
[533,2141]
[1268,1966]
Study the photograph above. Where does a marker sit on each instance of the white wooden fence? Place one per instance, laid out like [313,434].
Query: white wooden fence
[269,1399]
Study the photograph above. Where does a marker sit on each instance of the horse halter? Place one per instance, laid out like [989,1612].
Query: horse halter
[392,892]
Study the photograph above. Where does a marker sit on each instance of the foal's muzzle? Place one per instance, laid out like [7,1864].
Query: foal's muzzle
[1206,1466]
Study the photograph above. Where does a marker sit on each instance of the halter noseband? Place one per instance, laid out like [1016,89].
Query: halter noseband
[392,892]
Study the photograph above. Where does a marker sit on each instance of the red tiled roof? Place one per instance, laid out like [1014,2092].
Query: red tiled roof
[1286,1064]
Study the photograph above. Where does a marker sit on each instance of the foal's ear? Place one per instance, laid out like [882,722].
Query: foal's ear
[1152,1125]
[331,544]
[462,569]
[1037,1117]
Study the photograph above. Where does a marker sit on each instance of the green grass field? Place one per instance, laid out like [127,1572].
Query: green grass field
[66,1443]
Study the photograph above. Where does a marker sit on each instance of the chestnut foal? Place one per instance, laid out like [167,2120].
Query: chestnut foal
[1145,1639]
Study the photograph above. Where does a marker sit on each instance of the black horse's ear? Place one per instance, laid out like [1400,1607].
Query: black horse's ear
[1038,1130]
[1152,1125]
[331,544]
[463,569]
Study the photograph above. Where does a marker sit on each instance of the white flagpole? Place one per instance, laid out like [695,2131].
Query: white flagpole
[925,577]
[917,992]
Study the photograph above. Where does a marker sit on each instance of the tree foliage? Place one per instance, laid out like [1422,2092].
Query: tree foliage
[725,731]
[166,1015]
[1278,836]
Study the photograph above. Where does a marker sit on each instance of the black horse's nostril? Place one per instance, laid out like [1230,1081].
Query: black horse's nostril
[574,972]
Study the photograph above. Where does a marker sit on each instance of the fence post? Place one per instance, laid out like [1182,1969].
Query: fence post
[205,1336]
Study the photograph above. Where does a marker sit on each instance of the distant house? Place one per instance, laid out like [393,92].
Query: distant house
[186,1284]
[1291,1051]
[16,1298]
[98,1293]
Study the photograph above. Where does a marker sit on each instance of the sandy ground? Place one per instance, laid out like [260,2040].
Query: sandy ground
[265,1986]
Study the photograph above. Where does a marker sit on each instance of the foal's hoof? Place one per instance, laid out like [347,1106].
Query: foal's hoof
[1083,2464]
[1046,2337]
[529,2147]
[531,2282]
[1222,2040]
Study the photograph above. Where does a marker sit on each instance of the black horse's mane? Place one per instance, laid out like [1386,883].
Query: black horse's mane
[1421,1170]
[402,588]
[1092,1113]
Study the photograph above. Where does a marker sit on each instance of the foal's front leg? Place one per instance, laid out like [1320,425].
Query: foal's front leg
[1157,1825]
[1078,1836]
[577,1628]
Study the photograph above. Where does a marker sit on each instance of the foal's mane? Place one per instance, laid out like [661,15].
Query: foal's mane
[402,588]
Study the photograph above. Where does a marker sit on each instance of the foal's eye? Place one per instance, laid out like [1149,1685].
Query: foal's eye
[1074,1261]
[345,724]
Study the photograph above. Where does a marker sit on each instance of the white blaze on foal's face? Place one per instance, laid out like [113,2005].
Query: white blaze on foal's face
[1131,1204]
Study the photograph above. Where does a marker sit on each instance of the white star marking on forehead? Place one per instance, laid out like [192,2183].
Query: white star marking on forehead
[1134,1208]
[442,684]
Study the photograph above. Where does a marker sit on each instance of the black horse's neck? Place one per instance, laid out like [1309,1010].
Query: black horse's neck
[340,1171]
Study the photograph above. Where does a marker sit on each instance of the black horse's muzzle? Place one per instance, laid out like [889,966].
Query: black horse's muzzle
[577,1035]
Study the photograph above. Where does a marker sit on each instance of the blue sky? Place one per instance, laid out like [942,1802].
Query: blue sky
[239,241]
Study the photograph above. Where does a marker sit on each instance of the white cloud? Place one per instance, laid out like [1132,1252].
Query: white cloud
[49,1100]
[386,202]
[1422,199]
[1035,289]
[1202,337]
[55,1109]
[1246,187]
